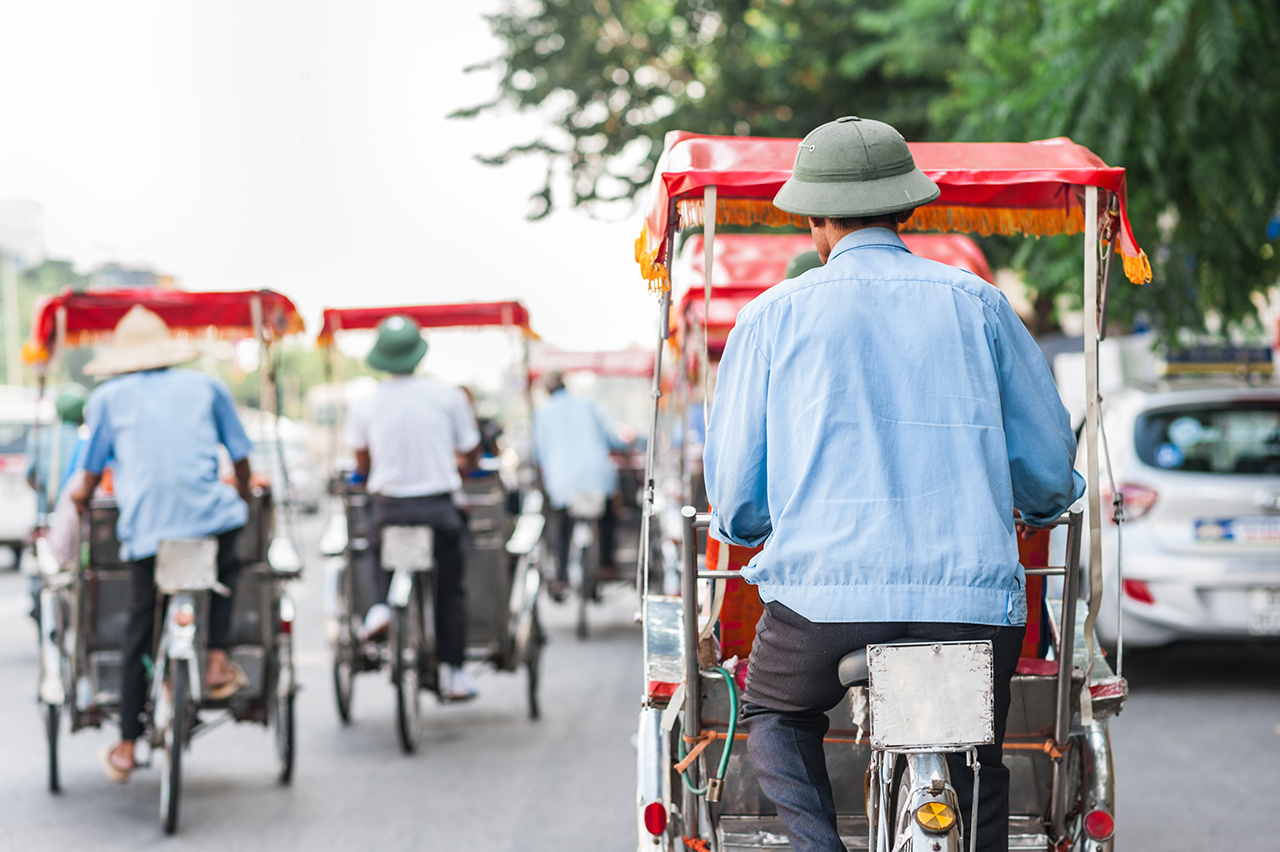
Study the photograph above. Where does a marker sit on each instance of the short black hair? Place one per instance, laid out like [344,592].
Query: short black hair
[849,223]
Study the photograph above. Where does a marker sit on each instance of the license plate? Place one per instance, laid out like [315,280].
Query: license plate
[1261,529]
[1264,612]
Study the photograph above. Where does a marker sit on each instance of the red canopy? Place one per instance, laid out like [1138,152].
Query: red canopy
[623,362]
[92,315]
[748,264]
[464,315]
[987,188]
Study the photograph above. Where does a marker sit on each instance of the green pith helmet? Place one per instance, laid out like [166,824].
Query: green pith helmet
[70,404]
[854,167]
[399,347]
[802,263]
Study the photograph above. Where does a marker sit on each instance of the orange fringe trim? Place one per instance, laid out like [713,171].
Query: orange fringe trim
[37,353]
[983,221]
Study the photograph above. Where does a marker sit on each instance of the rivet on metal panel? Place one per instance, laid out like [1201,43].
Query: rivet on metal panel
[878,650]
[937,649]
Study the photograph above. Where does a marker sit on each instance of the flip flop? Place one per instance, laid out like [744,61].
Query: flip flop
[114,773]
[239,680]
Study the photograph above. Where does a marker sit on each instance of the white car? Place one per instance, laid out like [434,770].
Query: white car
[1198,465]
[17,500]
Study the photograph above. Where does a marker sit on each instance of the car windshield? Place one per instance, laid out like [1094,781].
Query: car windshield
[13,437]
[1238,437]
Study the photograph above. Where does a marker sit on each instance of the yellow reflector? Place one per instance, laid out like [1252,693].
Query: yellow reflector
[935,816]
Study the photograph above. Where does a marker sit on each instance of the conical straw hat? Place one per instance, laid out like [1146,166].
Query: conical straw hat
[141,341]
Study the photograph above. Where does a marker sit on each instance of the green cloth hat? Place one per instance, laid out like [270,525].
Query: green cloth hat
[70,404]
[399,347]
[854,167]
[802,263]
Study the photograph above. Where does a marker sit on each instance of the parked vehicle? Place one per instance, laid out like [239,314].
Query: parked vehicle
[18,504]
[1196,463]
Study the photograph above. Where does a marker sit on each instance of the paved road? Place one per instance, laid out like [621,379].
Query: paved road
[1197,754]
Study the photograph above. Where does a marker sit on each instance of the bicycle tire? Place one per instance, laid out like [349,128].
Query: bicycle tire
[52,721]
[406,646]
[174,741]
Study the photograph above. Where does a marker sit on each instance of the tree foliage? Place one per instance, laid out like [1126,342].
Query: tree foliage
[1184,93]
[613,77]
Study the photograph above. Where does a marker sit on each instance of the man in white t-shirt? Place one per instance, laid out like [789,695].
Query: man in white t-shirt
[408,436]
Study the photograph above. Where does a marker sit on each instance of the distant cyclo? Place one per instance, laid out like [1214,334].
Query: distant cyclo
[159,603]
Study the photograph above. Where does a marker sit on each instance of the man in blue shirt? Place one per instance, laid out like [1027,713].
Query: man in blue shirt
[877,421]
[161,429]
[571,444]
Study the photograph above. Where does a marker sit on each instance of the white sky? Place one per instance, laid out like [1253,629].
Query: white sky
[300,145]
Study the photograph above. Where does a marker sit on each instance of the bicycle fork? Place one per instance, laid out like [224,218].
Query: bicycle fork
[919,822]
[177,647]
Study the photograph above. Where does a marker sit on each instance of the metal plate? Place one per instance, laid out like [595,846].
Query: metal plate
[187,565]
[408,548]
[931,695]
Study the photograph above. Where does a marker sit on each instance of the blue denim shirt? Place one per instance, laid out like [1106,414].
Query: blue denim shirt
[161,430]
[876,422]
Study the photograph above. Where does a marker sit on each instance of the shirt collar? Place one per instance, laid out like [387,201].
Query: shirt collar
[867,237]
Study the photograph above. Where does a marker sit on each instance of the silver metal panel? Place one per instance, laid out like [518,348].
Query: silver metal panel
[408,548]
[187,565]
[936,694]
[737,833]
[664,641]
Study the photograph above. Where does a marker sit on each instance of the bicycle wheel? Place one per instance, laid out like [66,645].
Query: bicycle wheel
[406,645]
[174,738]
[344,650]
[533,663]
[52,723]
[282,712]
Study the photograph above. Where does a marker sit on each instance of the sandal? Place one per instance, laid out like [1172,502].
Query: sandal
[239,680]
[115,773]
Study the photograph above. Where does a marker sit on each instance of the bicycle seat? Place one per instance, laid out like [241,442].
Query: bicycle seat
[852,668]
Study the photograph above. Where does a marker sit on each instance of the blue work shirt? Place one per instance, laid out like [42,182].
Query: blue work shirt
[571,444]
[161,430]
[876,421]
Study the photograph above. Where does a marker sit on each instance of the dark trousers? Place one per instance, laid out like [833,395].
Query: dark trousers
[792,683]
[139,640]
[439,513]
[564,535]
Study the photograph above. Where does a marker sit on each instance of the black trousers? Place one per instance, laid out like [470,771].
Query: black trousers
[564,535]
[792,683]
[447,522]
[139,640]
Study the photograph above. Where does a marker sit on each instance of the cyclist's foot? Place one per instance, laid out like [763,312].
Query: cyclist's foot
[457,685]
[376,622]
[557,590]
[222,685]
[117,762]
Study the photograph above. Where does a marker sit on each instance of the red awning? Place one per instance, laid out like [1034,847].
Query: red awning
[623,362]
[464,315]
[748,264]
[987,188]
[91,316]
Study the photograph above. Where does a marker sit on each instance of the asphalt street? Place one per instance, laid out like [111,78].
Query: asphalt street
[1197,755]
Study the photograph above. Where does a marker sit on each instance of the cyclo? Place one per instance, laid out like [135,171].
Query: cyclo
[890,786]
[84,604]
[616,372]
[503,552]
